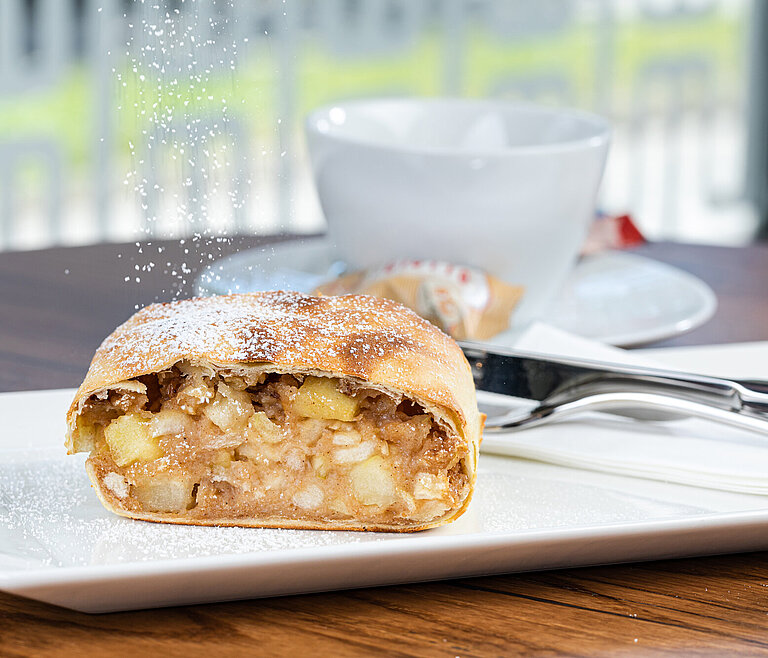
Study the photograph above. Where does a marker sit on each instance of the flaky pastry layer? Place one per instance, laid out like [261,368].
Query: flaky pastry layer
[280,410]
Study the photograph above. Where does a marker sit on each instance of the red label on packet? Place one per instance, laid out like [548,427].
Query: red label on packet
[606,232]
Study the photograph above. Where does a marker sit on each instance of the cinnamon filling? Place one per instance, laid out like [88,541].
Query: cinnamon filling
[228,445]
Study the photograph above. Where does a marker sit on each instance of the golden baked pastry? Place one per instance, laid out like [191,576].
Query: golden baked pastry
[280,410]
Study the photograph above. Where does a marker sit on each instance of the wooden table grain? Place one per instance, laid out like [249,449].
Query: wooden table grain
[56,305]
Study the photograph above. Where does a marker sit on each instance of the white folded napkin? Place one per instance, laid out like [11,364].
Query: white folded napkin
[690,451]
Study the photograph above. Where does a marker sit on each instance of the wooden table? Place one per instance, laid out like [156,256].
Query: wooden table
[55,307]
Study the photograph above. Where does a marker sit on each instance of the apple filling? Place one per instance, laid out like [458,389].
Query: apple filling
[229,445]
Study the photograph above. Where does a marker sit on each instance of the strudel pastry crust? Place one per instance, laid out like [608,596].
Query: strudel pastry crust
[280,410]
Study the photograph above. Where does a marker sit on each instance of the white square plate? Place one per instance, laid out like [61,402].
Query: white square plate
[58,545]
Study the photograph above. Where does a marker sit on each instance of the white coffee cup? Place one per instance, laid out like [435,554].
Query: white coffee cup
[508,188]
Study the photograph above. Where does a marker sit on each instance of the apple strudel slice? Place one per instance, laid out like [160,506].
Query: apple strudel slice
[280,410]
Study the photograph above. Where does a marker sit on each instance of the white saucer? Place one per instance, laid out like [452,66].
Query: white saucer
[615,297]
[623,299]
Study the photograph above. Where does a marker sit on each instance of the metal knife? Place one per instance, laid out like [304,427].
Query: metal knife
[562,387]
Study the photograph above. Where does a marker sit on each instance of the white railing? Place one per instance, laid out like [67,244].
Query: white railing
[678,151]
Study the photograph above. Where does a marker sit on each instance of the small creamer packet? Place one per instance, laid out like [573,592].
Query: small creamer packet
[465,302]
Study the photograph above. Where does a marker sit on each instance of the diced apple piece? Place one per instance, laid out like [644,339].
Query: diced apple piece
[260,428]
[192,396]
[256,451]
[273,480]
[249,450]
[408,500]
[430,509]
[195,389]
[236,383]
[354,454]
[339,506]
[117,484]
[239,475]
[230,409]
[319,397]
[309,430]
[239,397]
[372,482]
[164,493]
[84,436]
[294,458]
[170,422]
[310,497]
[130,440]
[429,486]
[320,464]
[346,435]
[222,458]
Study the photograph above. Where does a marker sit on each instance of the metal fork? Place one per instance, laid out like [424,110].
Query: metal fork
[564,387]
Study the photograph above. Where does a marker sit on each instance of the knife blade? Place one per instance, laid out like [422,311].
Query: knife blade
[550,380]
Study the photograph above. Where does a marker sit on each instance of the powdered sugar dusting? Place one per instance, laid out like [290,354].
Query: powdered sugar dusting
[49,509]
[52,518]
[350,333]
